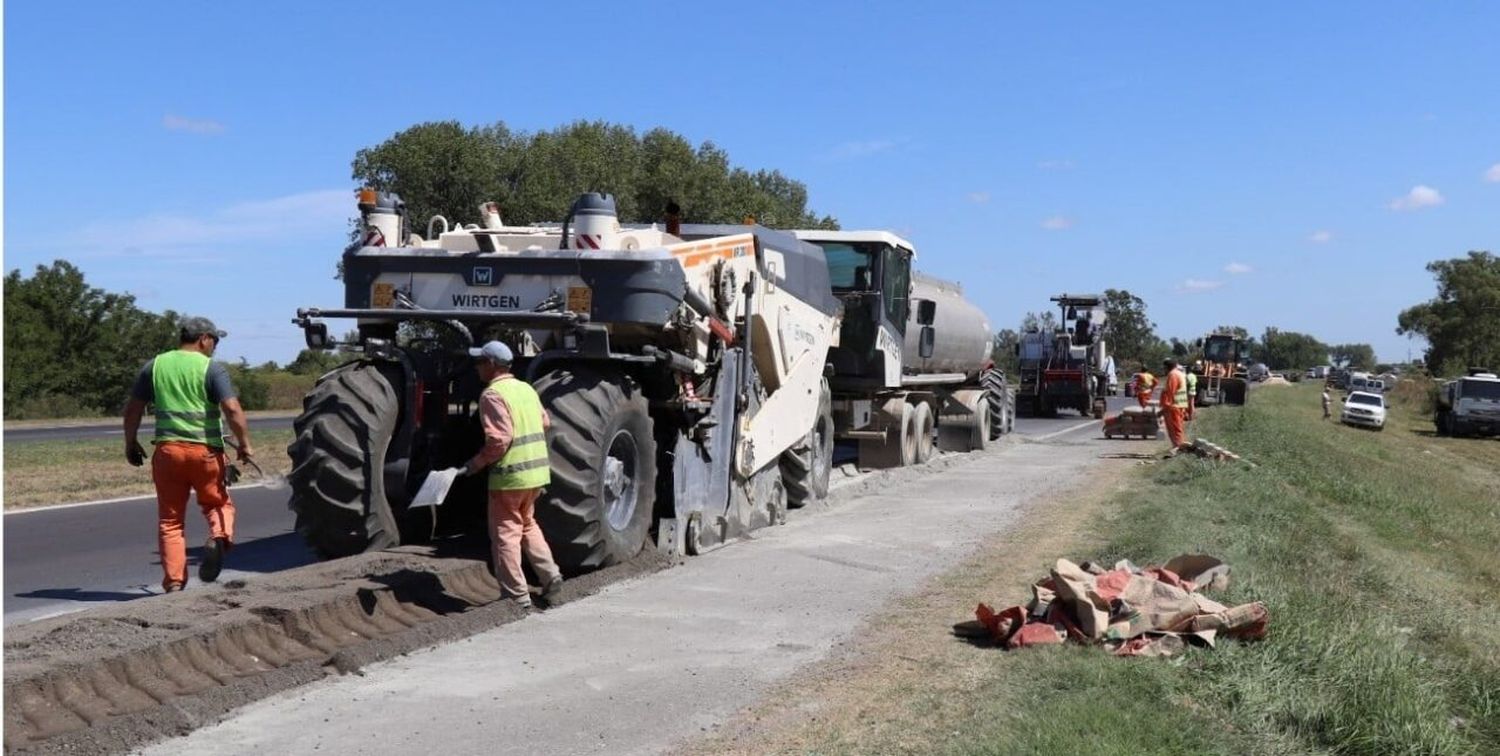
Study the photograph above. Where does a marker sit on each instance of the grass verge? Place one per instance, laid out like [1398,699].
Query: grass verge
[1374,552]
[38,473]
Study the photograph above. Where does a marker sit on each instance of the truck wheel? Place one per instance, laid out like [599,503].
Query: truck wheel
[338,461]
[806,467]
[1002,410]
[924,426]
[896,449]
[598,508]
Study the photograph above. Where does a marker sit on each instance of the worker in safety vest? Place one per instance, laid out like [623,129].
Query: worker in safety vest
[1174,403]
[1144,383]
[191,393]
[1192,388]
[515,451]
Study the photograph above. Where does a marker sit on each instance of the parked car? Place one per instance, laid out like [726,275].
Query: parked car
[1364,409]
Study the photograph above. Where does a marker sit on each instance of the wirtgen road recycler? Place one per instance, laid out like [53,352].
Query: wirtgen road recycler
[683,369]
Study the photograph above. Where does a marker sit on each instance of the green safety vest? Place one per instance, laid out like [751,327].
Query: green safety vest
[525,462]
[183,410]
[1181,397]
[1192,383]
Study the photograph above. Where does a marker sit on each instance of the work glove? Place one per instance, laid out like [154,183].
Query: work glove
[135,454]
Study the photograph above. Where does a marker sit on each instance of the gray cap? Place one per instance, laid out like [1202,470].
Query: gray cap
[494,351]
[192,328]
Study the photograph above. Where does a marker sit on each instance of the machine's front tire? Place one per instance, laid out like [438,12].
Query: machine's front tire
[807,467]
[338,461]
[598,508]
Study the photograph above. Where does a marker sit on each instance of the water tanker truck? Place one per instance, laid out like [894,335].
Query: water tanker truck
[683,369]
[911,370]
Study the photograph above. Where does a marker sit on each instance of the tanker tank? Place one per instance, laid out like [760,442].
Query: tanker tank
[963,337]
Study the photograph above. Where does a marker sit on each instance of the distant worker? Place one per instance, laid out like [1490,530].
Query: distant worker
[191,393]
[1144,383]
[1174,403]
[1327,402]
[1192,388]
[515,451]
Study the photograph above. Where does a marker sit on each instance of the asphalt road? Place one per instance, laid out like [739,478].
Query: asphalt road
[111,429]
[64,559]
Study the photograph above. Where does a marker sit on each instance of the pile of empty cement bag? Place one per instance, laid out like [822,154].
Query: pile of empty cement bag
[1155,611]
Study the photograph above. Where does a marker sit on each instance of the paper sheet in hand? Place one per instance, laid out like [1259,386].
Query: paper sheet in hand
[435,488]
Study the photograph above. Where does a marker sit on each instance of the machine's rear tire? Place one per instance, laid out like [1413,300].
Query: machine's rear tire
[338,461]
[924,427]
[598,508]
[807,467]
[1002,406]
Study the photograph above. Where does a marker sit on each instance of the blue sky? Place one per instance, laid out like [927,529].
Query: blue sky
[1292,165]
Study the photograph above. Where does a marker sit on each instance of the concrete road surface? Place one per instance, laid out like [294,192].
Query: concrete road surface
[657,661]
[111,429]
[65,559]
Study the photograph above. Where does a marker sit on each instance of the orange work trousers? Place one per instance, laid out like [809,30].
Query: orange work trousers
[1175,418]
[1144,397]
[513,529]
[179,468]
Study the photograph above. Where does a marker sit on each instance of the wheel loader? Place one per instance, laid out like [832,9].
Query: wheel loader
[682,367]
[1222,376]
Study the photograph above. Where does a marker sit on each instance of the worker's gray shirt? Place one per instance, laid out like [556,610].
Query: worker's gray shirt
[217,383]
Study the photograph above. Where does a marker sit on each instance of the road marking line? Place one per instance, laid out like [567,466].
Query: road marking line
[1064,431]
[50,507]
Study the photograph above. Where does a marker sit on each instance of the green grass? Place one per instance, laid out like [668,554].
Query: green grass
[38,473]
[1376,555]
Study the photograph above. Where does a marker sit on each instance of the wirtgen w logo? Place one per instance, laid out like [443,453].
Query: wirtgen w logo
[482,276]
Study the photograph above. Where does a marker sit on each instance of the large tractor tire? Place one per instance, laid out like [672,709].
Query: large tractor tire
[1002,405]
[807,467]
[597,510]
[338,461]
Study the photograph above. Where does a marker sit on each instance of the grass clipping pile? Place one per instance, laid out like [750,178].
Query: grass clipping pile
[1128,610]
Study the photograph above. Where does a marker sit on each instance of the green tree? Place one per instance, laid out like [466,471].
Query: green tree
[1289,350]
[1462,323]
[1004,351]
[73,348]
[1132,335]
[1045,322]
[446,169]
[1352,356]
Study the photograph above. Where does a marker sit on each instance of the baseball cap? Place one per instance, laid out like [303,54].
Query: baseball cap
[494,351]
[192,328]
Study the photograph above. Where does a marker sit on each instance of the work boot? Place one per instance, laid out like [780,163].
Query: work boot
[172,588]
[213,560]
[551,589]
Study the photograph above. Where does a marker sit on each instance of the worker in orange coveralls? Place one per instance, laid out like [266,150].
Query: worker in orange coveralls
[1174,403]
[193,400]
[1144,383]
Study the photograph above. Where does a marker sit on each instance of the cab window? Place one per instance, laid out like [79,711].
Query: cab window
[896,285]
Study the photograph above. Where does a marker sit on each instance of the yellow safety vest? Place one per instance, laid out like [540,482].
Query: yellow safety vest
[524,465]
[183,410]
[1180,398]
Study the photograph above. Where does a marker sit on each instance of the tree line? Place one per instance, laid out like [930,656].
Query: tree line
[444,168]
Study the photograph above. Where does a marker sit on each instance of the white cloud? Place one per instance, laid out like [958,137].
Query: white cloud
[979,198]
[1238,269]
[862,148]
[1195,285]
[1320,237]
[197,237]
[172,122]
[1055,165]
[1493,174]
[1058,223]
[1419,197]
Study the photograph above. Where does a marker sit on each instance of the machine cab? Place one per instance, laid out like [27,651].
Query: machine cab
[870,272]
